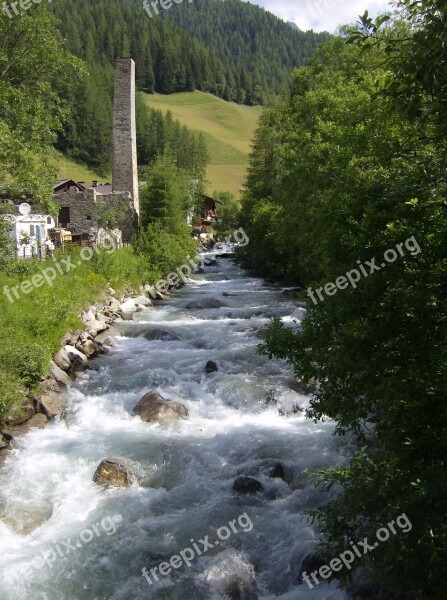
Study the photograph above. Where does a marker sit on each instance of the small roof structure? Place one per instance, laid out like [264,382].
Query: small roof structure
[65,185]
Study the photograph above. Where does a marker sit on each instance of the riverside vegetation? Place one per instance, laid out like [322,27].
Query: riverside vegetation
[32,114]
[350,164]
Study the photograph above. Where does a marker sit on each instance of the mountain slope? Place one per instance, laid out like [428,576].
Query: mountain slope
[255,41]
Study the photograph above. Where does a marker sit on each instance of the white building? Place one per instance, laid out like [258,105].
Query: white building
[29,232]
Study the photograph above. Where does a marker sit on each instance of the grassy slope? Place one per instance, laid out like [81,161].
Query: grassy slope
[68,169]
[228,130]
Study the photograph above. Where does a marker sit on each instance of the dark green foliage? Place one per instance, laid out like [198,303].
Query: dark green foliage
[28,361]
[165,250]
[31,113]
[258,55]
[165,199]
[358,166]
[111,214]
[228,209]
[158,133]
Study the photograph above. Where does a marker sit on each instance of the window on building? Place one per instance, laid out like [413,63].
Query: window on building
[48,220]
[31,229]
[64,216]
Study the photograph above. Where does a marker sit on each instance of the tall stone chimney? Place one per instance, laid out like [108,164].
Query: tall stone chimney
[124,169]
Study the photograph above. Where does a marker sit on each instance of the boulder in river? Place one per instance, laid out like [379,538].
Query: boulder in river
[106,335]
[60,376]
[211,367]
[310,563]
[112,473]
[277,471]
[205,303]
[75,354]
[163,335]
[21,412]
[237,589]
[271,396]
[38,421]
[210,262]
[127,316]
[95,327]
[129,306]
[153,407]
[142,301]
[91,349]
[247,485]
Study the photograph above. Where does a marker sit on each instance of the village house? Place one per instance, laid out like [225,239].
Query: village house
[29,231]
[203,225]
[78,202]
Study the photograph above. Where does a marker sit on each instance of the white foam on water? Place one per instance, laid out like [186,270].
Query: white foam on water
[185,471]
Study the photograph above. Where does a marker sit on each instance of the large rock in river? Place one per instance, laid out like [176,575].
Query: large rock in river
[153,407]
[204,303]
[111,473]
[62,359]
[211,367]
[163,335]
[247,485]
[60,376]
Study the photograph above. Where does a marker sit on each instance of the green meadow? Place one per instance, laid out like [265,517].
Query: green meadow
[228,129]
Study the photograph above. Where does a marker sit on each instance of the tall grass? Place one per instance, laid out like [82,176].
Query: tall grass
[31,327]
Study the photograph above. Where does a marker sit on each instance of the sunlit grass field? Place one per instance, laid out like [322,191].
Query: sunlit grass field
[228,128]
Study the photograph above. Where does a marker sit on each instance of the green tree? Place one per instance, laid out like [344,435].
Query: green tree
[228,213]
[360,169]
[32,55]
[164,200]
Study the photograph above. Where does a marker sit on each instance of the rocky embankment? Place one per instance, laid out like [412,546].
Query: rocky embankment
[77,349]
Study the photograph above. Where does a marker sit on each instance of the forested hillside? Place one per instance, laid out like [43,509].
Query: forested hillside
[257,49]
[231,49]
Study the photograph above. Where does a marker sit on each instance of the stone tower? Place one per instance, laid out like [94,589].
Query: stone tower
[124,170]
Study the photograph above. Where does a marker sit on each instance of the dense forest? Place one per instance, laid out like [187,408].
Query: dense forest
[257,49]
[194,52]
[347,198]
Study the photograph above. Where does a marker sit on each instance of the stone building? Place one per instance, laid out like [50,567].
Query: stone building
[78,200]
[78,206]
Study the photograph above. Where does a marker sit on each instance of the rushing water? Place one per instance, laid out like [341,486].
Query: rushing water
[96,542]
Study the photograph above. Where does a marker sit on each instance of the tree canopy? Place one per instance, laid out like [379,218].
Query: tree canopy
[349,167]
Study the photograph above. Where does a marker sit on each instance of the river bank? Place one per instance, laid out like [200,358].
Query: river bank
[69,363]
